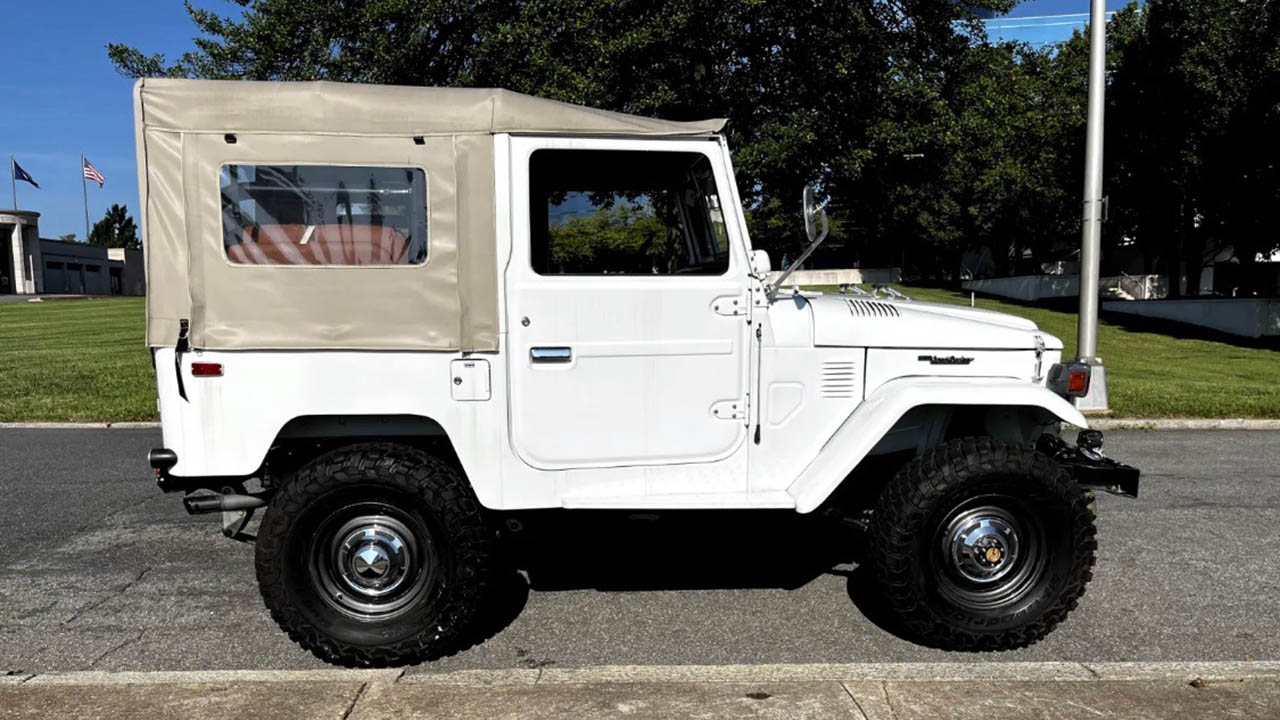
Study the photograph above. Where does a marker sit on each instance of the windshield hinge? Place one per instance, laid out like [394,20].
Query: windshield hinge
[1039,376]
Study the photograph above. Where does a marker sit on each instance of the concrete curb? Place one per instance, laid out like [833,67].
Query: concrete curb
[1184,424]
[1249,670]
[855,672]
[212,677]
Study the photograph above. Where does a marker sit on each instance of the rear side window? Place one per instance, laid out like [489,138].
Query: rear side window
[620,212]
[324,215]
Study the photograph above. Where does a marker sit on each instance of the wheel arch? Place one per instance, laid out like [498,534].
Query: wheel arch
[306,437]
[915,414]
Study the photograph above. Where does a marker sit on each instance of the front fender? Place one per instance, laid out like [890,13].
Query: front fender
[883,408]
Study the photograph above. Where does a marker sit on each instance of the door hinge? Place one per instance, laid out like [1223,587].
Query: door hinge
[730,410]
[730,305]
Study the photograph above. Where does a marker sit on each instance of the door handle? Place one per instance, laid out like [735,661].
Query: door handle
[551,354]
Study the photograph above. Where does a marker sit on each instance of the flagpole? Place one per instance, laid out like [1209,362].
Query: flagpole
[13,182]
[85,192]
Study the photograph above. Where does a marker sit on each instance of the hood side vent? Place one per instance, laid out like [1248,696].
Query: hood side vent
[871,308]
[839,379]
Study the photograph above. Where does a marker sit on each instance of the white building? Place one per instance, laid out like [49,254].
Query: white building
[31,265]
[20,264]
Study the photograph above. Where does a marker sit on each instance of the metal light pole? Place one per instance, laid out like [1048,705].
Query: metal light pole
[1091,233]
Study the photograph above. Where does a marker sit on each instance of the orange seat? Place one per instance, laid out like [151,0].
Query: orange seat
[339,244]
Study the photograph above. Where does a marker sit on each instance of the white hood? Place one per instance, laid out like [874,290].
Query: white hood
[853,321]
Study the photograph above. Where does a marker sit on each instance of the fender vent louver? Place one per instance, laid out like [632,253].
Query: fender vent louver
[871,308]
[839,379]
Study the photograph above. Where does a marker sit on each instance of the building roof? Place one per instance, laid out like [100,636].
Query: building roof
[347,108]
[19,215]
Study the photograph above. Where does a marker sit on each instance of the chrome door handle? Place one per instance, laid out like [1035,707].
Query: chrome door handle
[551,354]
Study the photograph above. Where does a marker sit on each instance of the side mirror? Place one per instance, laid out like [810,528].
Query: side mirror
[760,264]
[815,216]
[815,226]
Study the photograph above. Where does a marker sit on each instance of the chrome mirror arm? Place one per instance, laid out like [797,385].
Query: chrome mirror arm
[772,289]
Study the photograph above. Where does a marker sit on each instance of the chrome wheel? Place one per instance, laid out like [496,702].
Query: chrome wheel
[983,544]
[370,560]
[990,553]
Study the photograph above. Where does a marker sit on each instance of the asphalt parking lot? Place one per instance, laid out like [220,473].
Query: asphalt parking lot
[100,571]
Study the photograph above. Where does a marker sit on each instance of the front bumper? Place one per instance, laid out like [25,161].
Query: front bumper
[1089,466]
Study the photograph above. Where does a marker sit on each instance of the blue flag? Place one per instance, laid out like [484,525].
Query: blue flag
[20,174]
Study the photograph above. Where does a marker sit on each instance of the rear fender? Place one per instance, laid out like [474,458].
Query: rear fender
[864,428]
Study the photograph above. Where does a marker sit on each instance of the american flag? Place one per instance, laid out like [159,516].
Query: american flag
[91,173]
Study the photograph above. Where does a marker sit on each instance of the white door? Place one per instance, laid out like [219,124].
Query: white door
[626,304]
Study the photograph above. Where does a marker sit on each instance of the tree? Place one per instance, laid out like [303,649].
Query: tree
[623,237]
[928,139]
[116,230]
[1191,133]
[69,237]
[804,83]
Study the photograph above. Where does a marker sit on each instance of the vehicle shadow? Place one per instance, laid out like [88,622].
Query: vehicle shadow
[558,550]
[679,550]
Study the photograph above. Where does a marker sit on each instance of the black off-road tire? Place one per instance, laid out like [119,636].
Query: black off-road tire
[917,508]
[441,514]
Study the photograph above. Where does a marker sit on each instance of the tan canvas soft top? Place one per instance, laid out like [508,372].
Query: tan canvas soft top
[329,107]
[187,130]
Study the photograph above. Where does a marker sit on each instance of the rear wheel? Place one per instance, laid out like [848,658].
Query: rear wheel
[981,545]
[374,555]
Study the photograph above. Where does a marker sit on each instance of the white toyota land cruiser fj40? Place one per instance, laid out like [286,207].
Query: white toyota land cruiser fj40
[390,316]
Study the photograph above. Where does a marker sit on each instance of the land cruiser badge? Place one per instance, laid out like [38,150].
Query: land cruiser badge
[947,360]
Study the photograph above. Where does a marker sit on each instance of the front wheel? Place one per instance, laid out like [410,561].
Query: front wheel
[375,555]
[981,545]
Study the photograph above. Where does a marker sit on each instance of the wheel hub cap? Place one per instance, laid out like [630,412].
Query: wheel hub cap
[371,562]
[982,544]
[372,557]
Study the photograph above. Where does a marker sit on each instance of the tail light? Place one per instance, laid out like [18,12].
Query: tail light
[206,369]
[1070,379]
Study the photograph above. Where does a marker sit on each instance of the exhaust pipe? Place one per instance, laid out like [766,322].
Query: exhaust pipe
[204,504]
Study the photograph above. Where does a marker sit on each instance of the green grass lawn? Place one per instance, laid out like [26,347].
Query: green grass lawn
[75,360]
[84,360]
[1151,374]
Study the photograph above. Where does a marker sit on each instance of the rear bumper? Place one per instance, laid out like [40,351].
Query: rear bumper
[1090,467]
[162,461]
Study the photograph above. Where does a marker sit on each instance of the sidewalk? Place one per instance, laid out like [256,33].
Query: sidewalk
[983,691]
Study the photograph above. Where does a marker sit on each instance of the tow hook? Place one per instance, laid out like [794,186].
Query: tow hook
[1088,465]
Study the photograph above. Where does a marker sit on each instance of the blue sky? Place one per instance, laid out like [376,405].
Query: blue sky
[62,97]
[1041,22]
